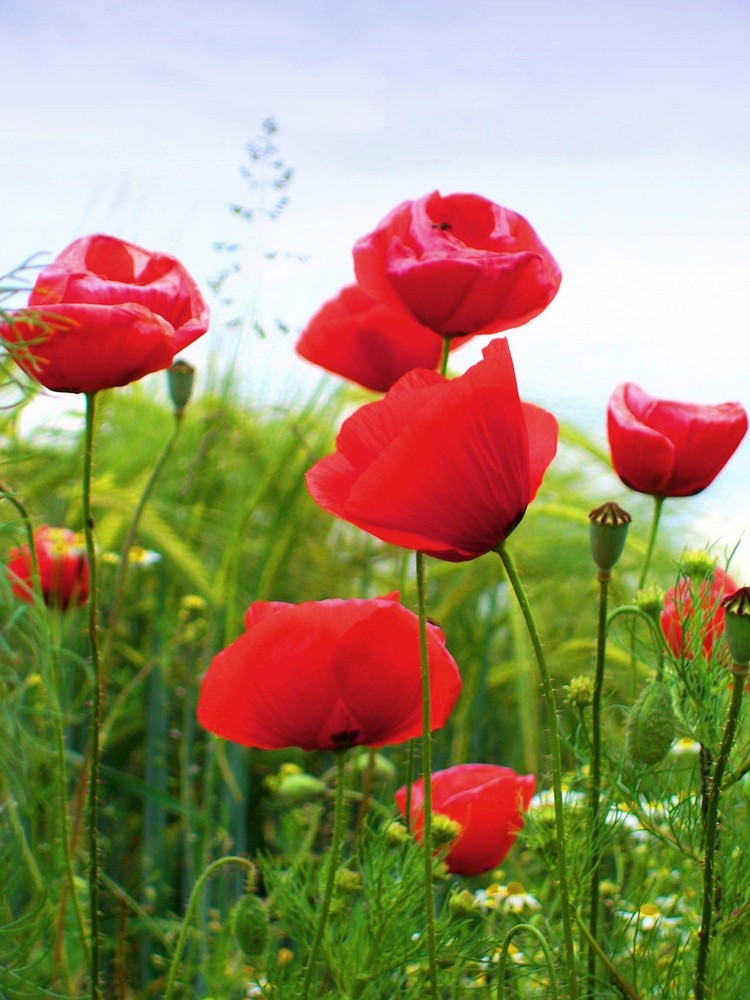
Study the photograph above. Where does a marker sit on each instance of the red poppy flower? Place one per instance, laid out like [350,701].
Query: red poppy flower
[105,313]
[63,568]
[460,264]
[487,802]
[326,675]
[687,623]
[368,342]
[669,449]
[444,467]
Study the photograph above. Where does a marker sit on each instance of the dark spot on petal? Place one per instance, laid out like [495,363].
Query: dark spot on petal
[442,225]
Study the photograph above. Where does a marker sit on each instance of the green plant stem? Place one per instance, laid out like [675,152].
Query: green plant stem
[333,863]
[124,564]
[190,912]
[740,672]
[426,778]
[10,496]
[556,757]
[603,576]
[96,703]
[446,348]
[535,932]
[658,505]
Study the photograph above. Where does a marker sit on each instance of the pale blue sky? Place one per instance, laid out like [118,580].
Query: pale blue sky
[619,129]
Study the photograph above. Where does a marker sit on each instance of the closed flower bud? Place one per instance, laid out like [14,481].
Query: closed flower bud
[650,601]
[378,766]
[462,904]
[444,830]
[580,691]
[737,624]
[698,564]
[608,531]
[297,788]
[249,921]
[396,834]
[348,880]
[651,725]
[180,378]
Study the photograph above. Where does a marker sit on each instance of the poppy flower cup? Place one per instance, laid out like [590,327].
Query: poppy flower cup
[486,800]
[444,467]
[693,626]
[460,264]
[63,568]
[327,675]
[368,342]
[105,313]
[669,449]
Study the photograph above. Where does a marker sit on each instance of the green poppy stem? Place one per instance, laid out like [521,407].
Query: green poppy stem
[190,913]
[603,576]
[333,864]
[658,505]
[446,348]
[427,779]
[556,757]
[96,704]
[740,673]
[124,564]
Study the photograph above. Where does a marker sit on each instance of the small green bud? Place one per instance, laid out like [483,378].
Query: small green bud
[462,904]
[651,724]
[444,829]
[249,922]
[297,788]
[650,601]
[737,624]
[580,691]
[608,530]
[180,378]
[396,834]
[698,564]
[375,764]
[348,880]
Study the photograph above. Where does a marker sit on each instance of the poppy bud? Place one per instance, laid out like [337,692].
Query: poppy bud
[249,923]
[651,724]
[608,531]
[737,624]
[297,788]
[180,378]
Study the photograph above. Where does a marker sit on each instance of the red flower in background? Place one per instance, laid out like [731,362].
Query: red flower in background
[368,342]
[63,568]
[687,623]
[486,800]
[326,675]
[460,264]
[105,313]
[445,467]
[670,449]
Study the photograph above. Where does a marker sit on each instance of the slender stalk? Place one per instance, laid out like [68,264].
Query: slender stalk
[124,564]
[96,704]
[443,368]
[507,940]
[190,912]
[603,576]
[427,778]
[556,756]
[658,505]
[740,672]
[333,863]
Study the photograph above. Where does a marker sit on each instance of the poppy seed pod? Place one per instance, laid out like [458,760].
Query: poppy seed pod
[608,531]
[737,624]
[180,380]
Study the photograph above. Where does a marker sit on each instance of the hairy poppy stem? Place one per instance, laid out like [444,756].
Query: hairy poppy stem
[740,672]
[658,505]
[333,864]
[556,755]
[603,576]
[124,564]
[427,778]
[190,912]
[96,705]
